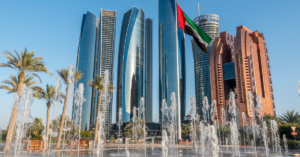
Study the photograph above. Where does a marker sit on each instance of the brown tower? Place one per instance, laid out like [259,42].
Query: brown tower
[241,64]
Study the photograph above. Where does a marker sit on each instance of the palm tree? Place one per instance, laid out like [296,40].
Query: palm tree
[97,85]
[24,63]
[138,132]
[290,117]
[64,73]
[185,130]
[12,85]
[49,96]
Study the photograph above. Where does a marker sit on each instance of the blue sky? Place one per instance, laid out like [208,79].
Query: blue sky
[52,29]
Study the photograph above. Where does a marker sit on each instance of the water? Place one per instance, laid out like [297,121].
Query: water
[23,104]
[78,100]
[205,134]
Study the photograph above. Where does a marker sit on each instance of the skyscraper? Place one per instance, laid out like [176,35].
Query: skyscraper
[131,62]
[171,59]
[241,64]
[107,56]
[148,70]
[210,24]
[95,55]
[87,63]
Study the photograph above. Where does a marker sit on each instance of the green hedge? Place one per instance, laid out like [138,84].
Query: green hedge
[286,129]
[292,144]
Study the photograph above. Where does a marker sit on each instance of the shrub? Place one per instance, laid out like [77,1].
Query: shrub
[286,129]
[3,135]
[292,144]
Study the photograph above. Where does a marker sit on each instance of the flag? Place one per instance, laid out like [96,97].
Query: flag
[190,28]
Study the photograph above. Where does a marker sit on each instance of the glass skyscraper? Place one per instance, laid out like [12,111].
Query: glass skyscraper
[210,24]
[148,69]
[130,62]
[172,75]
[95,55]
[87,63]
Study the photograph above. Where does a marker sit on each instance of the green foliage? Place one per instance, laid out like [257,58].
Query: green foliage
[286,129]
[3,135]
[185,131]
[112,137]
[37,128]
[86,134]
[129,128]
[292,144]
[55,124]
[11,85]
[290,117]
[25,62]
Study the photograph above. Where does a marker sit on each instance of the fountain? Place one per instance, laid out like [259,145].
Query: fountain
[141,111]
[285,145]
[78,100]
[120,123]
[23,104]
[164,143]
[101,134]
[126,148]
[205,134]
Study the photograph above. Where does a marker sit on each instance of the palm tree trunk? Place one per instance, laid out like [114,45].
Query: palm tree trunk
[98,110]
[63,118]
[14,114]
[48,119]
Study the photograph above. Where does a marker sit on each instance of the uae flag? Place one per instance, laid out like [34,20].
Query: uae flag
[190,28]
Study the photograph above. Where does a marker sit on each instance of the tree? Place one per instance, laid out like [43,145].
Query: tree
[49,96]
[64,73]
[97,85]
[37,128]
[185,130]
[290,117]
[11,85]
[24,63]
[139,132]
[55,125]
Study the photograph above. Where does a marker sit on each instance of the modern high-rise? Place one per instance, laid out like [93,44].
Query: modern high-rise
[87,60]
[148,69]
[95,55]
[172,71]
[209,23]
[241,64]
[107,56]
[131,62]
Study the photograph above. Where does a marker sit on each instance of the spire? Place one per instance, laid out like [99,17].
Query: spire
[198,10]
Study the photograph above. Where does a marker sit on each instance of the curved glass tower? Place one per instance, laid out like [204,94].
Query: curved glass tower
[209,23]
[87,63]
[171,58]
[131,62]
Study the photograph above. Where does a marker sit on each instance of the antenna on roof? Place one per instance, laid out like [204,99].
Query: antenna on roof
[198,10]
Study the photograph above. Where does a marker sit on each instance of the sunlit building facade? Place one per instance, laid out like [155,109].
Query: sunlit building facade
[209,23]
[131,62]
[95,55]
[241,64]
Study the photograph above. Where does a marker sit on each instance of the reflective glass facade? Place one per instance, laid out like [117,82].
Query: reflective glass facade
[229,71]
[95,55]
[131,62]
[87,63]
[172,76]
[210,24]
[148,70]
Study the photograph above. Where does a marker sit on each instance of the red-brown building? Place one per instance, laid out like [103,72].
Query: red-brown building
[241,64]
